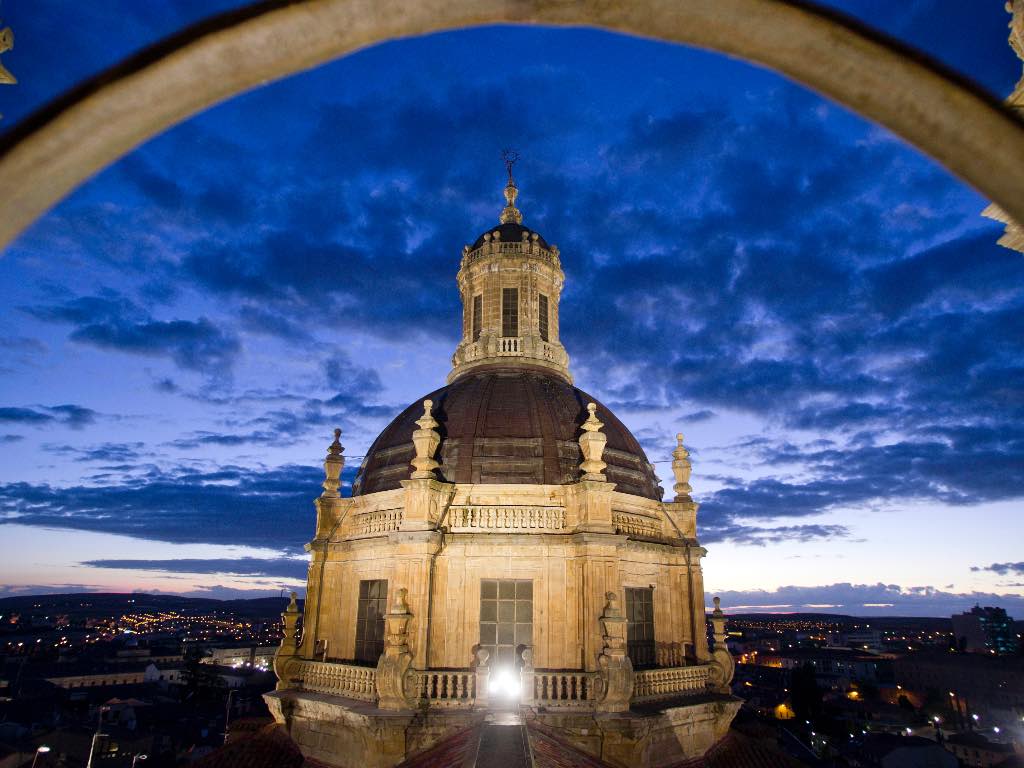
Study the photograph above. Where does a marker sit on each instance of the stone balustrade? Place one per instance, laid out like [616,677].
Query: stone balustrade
[636,525]
[564,689]
[375,523]
[523,248]
[511,519]
[446,689]
[509,345]
[346,680]
[654,684]
[457,688]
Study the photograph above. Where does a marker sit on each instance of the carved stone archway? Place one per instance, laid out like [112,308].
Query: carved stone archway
[49,154]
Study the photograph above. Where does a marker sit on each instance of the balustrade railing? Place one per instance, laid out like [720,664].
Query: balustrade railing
[636,525]
[376,523]
[346,680]
[518,519]
[564,689]
[509,345]
[451,689]
[457,688]
[653,684]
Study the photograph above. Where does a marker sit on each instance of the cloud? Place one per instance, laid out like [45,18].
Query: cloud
[74,416]
[1003,569]
[114,322]
[105,452]
[228,505]
[289,568]
[862,600]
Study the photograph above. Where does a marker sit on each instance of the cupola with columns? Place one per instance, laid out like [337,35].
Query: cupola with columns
[510,281]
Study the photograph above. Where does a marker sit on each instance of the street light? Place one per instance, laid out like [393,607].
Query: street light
[42,749]
[92,747]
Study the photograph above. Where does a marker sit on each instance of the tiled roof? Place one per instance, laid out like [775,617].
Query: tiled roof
[455,751]
[270,747]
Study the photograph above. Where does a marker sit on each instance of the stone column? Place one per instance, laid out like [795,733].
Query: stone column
[394,663]
[616,669]
[330,509]
[289,647]
[526,678]
[483,676]
[722,664]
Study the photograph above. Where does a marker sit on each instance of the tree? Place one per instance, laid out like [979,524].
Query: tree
[201,681]
[805,694]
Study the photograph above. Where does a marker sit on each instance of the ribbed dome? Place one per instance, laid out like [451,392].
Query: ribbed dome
[503,425]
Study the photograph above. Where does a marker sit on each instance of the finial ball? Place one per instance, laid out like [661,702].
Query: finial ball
[337,433]
[427,405]
[679,438]
[718,603]
[592,407]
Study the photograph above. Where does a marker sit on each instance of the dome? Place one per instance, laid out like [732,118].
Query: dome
[507,425]
[510,233]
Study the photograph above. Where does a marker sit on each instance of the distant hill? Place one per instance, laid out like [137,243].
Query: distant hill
[113,602]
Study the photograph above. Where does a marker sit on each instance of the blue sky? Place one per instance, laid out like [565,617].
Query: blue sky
[819,307]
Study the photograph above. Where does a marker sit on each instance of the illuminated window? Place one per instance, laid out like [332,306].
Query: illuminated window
[509,311]
[640,626]
[542,316]
[478,316]
[373,599]
[506,618]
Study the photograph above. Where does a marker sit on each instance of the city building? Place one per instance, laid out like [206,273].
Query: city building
[985,630]
[990,686]
[975,751]
[506,543]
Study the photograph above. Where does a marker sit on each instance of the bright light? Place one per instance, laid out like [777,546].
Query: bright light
[936,718]
[504,682]
[996,729]
[974,716]
[43,749]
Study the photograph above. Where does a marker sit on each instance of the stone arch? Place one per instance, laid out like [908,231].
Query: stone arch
[47,155]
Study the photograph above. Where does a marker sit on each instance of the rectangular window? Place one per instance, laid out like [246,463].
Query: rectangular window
[373,604]
[542,316]
[478,316]
[509,311]
[640,626]
[506,618]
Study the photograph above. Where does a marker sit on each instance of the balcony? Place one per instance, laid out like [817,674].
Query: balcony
[466,689]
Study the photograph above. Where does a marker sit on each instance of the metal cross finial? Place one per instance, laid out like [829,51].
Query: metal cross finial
[510,157]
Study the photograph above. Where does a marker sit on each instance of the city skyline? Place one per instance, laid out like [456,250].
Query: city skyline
[818,307]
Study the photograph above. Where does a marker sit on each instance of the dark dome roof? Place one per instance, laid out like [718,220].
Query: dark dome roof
[505,425]
[510,233]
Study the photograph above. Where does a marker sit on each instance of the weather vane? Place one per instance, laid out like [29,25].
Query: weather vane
[510,158]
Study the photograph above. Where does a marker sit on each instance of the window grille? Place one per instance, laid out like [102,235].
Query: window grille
[373,604]
[509,311]
[506,618]
[478,316]
[640,626]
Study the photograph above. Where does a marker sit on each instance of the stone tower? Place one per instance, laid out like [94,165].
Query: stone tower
[506,544]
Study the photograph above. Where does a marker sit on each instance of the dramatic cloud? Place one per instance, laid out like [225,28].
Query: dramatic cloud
[74,416]
[287,568]
[861,600]
[1003,569]
[269,508]
[744,261]
[113,322]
